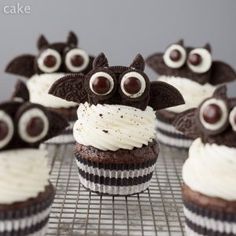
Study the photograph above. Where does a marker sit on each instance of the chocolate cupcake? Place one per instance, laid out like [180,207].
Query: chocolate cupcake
[26,193]
[116,148]
[53,61]
[209,189]
[193,72]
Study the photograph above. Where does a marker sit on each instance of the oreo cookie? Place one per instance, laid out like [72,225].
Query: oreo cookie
[213,121]
[26,125]
[195,64]
[128,86]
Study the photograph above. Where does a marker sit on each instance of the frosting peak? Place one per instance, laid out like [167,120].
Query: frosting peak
[211,170]
[113,127]
[24,173]
[39,85]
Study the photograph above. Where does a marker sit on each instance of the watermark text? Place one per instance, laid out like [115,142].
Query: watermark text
[16,9]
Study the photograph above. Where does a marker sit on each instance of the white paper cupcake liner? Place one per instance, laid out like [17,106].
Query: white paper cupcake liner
[203,221]
[167,134]
[122,181]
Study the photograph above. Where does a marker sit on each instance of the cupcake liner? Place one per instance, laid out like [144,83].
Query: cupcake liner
[65,137]
[205,221]
[115,179]
[27,218]
[167,134]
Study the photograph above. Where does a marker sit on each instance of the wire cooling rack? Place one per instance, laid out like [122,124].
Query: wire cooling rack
[76,211]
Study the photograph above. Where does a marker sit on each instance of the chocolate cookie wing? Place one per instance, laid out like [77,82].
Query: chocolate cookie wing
[222,73]
[186,123]
[70,88]
[21,92]
[163,95]
[23,65]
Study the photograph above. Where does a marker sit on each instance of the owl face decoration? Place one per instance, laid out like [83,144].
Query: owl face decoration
[192,63]
[214,120]
[52,58]
[121,85]
[25,125]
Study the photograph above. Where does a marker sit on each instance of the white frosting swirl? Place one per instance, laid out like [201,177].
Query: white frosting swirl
[24,173]
[211,170]
[113,127]
[39,86]
[193,92]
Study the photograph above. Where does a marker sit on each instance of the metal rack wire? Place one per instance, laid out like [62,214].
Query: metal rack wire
[76,211]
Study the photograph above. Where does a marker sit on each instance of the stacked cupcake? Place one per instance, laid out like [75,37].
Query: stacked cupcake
[26,193]
[54,61]
[194,73]
[209,173]
[116,148]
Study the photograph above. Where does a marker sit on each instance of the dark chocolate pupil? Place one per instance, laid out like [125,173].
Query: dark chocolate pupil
[212,114]
[195,59]
[175,55]
[132,85]
[35,126]
[50,61]
[77,60]
[101,85]
[235,119]
[3,130]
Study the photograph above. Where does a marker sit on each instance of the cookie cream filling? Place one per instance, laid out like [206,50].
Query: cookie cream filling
[113,127]
[24,173]
[211,170]
[39,86]
[193,92]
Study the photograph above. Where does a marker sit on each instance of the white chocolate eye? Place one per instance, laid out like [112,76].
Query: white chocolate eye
[101,83]
[76,60]
[232,119]
[199,60]
[33,125]
[214,115]
[6,129]
[175,56]
[133,84]
[49,61]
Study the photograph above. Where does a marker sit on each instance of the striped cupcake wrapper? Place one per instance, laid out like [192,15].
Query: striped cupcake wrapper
[115,179]
[30,220]
[167,134]
[205,221]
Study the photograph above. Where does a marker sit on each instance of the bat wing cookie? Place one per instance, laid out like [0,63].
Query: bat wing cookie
[121,85]
[214,120]
[63,57]
[25,125]
[192,63]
